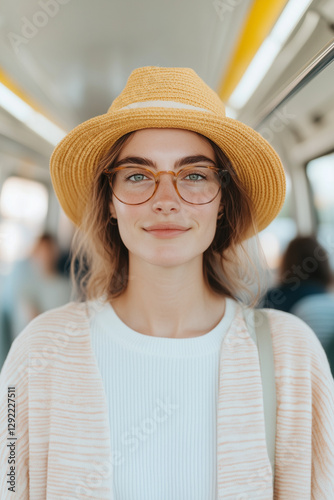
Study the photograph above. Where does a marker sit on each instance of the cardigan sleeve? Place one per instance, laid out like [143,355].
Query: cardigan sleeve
[14,413]
[305,417]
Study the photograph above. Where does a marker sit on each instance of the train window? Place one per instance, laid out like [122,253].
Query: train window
[23,210]
[320,174]
[24,199]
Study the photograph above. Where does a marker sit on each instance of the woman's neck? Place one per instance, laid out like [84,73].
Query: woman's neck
[169,303]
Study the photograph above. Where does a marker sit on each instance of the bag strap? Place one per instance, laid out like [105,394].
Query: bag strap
[259,329]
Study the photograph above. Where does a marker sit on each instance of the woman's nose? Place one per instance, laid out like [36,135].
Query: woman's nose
[166,184]
[166,190]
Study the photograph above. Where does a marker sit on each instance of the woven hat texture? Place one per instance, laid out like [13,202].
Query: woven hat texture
[159,97]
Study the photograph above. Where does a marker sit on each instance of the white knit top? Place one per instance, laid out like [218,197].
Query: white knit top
[162,402]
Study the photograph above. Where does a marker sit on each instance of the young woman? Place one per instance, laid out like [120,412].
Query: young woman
[148,385]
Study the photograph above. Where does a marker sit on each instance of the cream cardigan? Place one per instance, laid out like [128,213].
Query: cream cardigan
[62,447]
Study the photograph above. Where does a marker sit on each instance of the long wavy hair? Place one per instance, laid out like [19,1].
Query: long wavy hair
[232,266]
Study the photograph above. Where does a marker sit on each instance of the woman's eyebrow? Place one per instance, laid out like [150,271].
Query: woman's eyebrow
[186,160]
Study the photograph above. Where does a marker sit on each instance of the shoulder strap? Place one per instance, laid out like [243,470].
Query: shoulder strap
[259,329]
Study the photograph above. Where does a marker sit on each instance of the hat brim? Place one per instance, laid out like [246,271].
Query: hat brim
[75,159]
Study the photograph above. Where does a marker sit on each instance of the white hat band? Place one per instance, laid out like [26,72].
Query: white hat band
[164,104]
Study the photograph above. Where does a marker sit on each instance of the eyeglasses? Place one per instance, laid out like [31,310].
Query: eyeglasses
[135,185]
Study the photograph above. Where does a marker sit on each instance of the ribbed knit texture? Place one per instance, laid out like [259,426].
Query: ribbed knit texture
[162,401]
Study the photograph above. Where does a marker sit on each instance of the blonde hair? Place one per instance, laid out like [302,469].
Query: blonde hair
[232,266]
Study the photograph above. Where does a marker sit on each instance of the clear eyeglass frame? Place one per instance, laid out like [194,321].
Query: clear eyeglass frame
[220,172]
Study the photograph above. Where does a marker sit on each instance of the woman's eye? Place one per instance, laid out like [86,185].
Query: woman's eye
[135,176]
[195,177]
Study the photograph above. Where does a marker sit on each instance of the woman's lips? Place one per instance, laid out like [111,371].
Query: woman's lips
[166,233]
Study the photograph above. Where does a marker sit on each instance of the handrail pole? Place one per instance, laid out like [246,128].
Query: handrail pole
[318,63]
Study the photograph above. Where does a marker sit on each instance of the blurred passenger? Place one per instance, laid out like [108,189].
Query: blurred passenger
[304,271]
[35,285]
[5,337]
[330,355]
[318,312]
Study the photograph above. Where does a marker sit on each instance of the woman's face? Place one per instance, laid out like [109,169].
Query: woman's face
[164,147]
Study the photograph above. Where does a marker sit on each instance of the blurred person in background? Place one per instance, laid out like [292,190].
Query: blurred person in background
[330,354]
[304,271]
[318,312]
[5,337]
[305,287]
[34,286]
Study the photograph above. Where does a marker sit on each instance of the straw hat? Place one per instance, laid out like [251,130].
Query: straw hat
[156,97]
